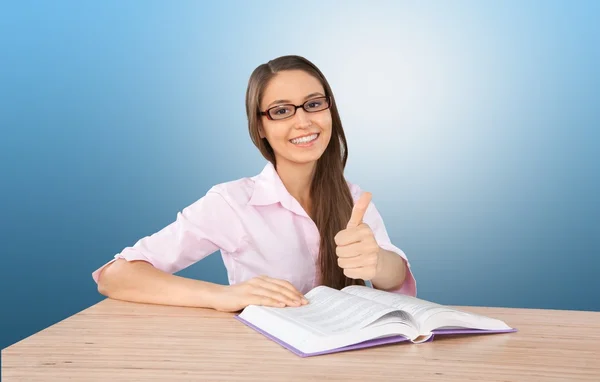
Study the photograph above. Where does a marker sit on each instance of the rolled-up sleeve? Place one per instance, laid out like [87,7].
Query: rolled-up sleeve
[199,230]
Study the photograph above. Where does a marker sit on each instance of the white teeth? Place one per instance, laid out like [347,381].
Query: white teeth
[304,139]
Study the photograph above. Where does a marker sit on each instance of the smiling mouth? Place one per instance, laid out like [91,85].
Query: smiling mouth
[305,139]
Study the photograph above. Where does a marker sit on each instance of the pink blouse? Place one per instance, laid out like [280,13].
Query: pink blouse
[259,229]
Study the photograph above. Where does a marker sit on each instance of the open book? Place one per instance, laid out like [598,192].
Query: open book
[359,317]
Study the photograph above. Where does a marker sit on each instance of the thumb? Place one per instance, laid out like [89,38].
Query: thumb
[359,209]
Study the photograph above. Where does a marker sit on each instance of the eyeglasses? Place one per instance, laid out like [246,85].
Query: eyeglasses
[289,110]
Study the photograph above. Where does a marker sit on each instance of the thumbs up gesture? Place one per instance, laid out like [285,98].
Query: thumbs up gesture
[357,250]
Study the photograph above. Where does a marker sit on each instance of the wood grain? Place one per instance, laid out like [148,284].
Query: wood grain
[121,341]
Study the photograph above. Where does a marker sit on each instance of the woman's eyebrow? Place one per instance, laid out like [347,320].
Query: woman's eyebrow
[288,101]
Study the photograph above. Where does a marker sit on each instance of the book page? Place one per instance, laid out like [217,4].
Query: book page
[330,311]
[429,315]
[421,310]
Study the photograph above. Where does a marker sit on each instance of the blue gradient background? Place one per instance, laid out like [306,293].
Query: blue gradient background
[476,126]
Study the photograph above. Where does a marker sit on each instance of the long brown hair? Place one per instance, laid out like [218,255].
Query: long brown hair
[331,199]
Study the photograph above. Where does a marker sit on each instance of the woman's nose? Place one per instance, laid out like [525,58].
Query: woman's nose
[302,120]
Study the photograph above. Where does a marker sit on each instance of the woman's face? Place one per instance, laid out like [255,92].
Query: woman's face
[303,137]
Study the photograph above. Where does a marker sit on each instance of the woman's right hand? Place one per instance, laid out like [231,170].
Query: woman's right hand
[262,290]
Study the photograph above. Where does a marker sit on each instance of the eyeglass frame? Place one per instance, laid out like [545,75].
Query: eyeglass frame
[296,107]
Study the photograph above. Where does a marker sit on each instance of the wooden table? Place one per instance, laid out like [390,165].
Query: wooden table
[116,340]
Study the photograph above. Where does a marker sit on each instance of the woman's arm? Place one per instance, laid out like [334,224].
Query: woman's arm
[146,271]
[391,271]
[139,281]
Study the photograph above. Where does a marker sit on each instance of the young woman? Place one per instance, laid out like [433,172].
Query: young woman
[296,225]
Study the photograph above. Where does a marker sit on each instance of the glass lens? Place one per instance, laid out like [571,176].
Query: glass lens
[281,112]
[316,104]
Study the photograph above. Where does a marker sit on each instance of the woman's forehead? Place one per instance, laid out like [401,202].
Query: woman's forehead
[291,86]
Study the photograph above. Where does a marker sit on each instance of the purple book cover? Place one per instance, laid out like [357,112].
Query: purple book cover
[370,343]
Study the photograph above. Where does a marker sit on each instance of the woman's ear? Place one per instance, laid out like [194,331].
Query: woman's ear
[261,132]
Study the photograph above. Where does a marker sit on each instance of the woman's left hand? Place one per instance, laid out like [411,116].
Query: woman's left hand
[357,250]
